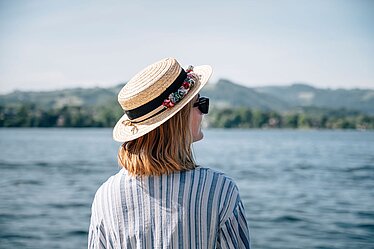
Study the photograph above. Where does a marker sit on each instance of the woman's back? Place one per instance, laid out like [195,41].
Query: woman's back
[199,208]
[161,198]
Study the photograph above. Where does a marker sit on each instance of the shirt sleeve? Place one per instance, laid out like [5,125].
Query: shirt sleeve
[98,234]
[234,232]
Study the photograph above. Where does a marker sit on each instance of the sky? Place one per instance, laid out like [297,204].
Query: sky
[48,45]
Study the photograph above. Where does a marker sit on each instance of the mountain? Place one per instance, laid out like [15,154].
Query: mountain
[224,93]
[306,95]
[67,97]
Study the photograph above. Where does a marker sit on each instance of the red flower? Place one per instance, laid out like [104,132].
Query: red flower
[166,102]
[186,85]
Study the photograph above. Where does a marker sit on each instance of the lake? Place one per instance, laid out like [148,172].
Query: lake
[300,188]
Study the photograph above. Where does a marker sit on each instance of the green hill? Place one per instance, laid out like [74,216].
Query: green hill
[67,97]
[223,94]
[228,94]
[305,95]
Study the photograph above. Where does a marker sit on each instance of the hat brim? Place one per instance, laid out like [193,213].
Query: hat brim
[123,132]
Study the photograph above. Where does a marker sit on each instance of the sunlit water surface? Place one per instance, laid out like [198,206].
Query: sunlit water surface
[301,189]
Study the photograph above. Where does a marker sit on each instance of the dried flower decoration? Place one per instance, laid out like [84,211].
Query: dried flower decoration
[188,83]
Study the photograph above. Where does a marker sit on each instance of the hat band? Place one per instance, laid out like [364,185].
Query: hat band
[157,102]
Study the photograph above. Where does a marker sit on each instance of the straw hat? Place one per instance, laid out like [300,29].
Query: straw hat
[155,94]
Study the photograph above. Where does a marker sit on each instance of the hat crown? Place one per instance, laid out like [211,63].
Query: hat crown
[149,83]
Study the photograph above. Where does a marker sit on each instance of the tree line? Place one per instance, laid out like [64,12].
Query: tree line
[67,116]
[321,119]
[28,115]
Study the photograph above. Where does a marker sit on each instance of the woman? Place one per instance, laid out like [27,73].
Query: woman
[161,198]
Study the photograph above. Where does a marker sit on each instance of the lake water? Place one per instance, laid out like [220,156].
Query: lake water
[301,189]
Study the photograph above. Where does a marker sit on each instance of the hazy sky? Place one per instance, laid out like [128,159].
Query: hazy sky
[48,45]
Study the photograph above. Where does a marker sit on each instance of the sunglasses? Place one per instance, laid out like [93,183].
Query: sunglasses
[203,104]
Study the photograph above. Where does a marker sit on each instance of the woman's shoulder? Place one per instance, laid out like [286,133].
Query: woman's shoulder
[216,174]
[213,171]
[109,184]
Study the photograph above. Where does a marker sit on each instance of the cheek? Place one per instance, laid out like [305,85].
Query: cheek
[196,118]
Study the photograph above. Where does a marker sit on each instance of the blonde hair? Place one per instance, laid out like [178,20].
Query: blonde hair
[163,150]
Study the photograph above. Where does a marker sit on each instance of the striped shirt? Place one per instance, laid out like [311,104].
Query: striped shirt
[200,208]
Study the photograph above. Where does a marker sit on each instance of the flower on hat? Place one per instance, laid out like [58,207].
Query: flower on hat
[182,91]
[189,69]
[187,84]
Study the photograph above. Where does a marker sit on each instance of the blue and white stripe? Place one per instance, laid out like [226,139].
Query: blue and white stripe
[200,208]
